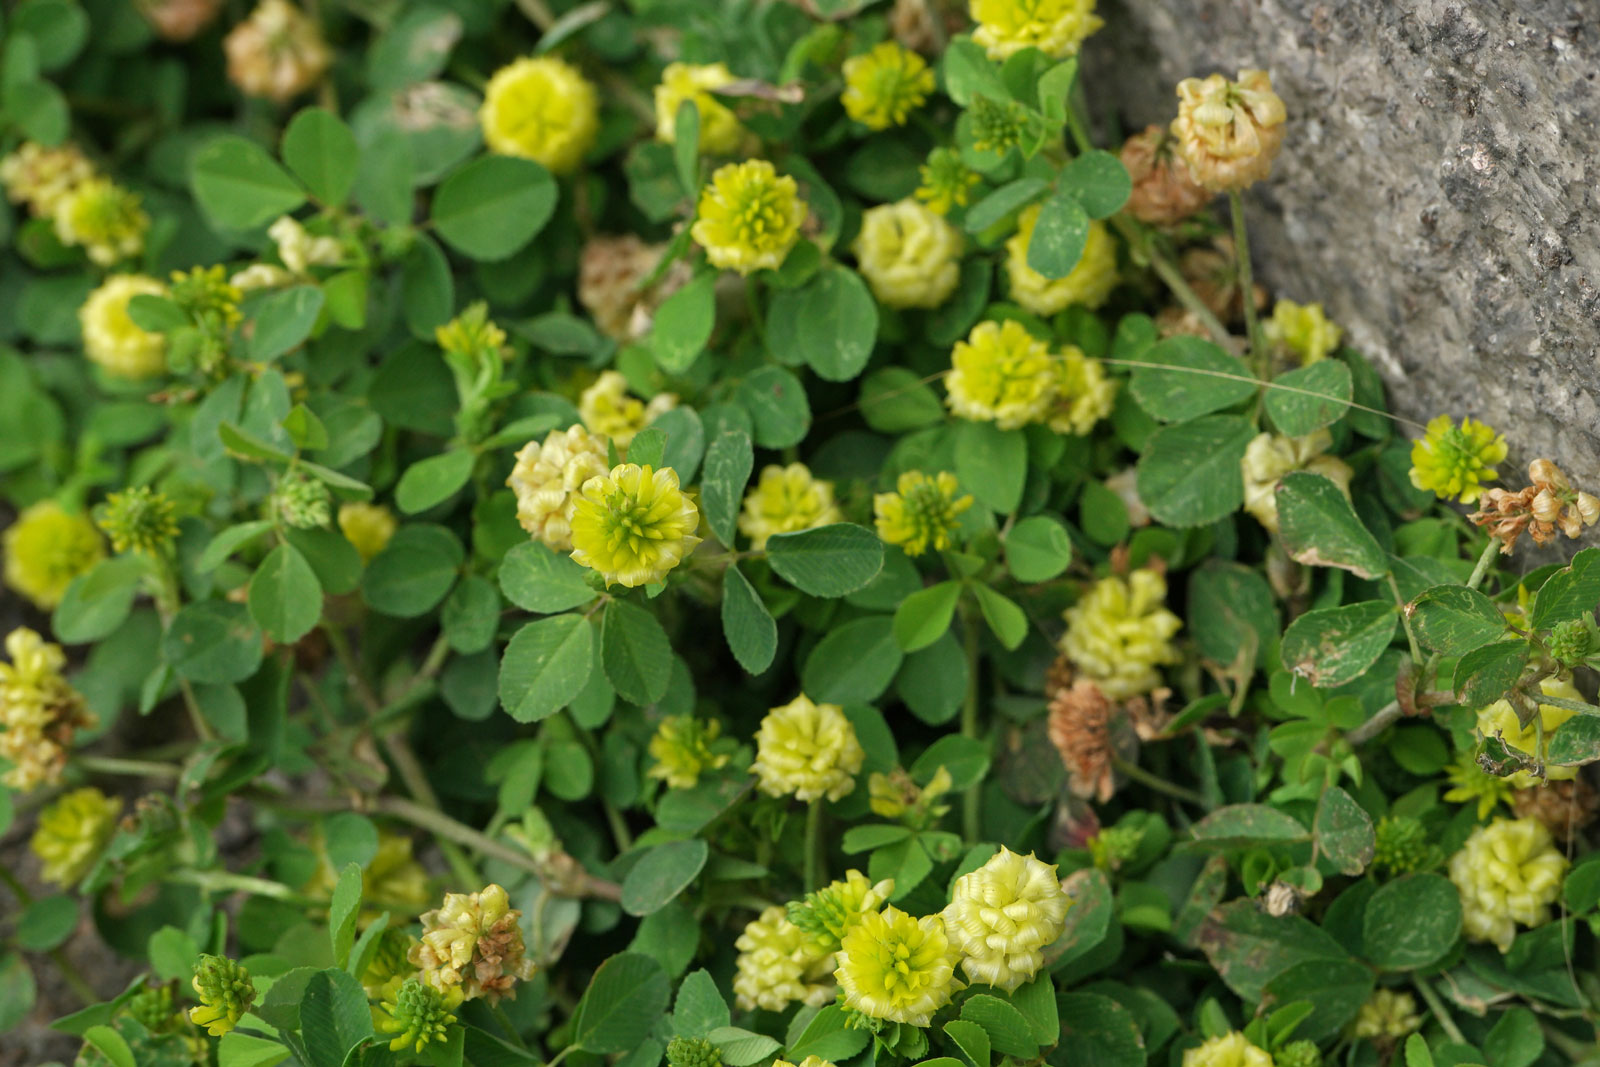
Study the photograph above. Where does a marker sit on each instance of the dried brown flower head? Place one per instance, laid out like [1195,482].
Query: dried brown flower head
[1565,808]
[610,271]
[1164,191]
[1548,505]
[179,20]
[1080,728]
[277,53]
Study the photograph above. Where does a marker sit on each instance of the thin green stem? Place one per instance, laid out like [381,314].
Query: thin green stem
[558,1057]
[229,882]
[1411,637]
[1440,1012]
[971,812]
[133,768]
[816,869]
[1490,550]
[1247,284]
[1139,237]
[1132,770]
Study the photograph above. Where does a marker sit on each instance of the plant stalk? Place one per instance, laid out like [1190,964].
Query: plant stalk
[1490,550]
[1132,770]
[816,867]
[1247,284]
[971,811]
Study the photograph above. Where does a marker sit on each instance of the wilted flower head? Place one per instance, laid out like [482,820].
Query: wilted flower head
[1271,456]
[1303,329]
[827,914]
[808,750]
[897,968]
[608,410]
[1002,374]
[908,254]
[1229,131]
[1088,284]
[41,177]
[277,53]
[1508,872]
[473,943]
[1164,192]
[681,748]
[721,133]
[417,1014]
[1120,633]
[103,219]
[884,85]
[225,992]
[921,513]
[946,181]
[71,833]
[611,272]
[784,500]
[633,525]
[1232,1049]
[1002,915]
[541,108]
[1054,27]
[140,519]
[366,526]
[46,548]
[749,217]
[1079,725]
[39,710]
[1451,461]
[779,965]
[111,339]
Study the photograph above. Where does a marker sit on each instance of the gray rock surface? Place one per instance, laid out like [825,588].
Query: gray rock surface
[1436,191]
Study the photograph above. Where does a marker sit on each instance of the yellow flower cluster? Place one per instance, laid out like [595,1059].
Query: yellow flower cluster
[42,177]
[681,748]
[779,965]
[1088,284]
[473,943]
[1388,1015]
[946,181]
[366,526]
[1232,1049]
[1083,393]
[541,108]
[417,1014]
[225,991]
[1508,872]
[607,409]
[808,750]
[1002,915]
[86,210]
[885,85]
[1054,27]
[1120,633]
[39,710]
[921,513]
[786,499]
[1002,374]
[721,133]
[1500,720]
[1271,456]
[1452,461]
[71,833]
[277,53]
[548,477]
[1229,131]
[111,339]
[633,525]
[1303,329]
[300,250]
[1471,784]
[46,548]
[748,217]
[896,967]
[908,254]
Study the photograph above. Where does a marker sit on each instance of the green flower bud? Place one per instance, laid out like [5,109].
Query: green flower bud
[302,501]
[693,1052]
[417,1014]
[152,1006]
[225,993]
[139,520]
[1298,1054]
[996,127]
[1402,846]
[1571,642]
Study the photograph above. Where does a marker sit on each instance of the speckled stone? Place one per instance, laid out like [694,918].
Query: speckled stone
[1436,191]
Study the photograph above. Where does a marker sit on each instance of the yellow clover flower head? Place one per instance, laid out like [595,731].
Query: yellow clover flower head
[102,218]
[1508,872]
[299,249]
[808,750]
[1120,633]
[1083,393]
[826,915]
[749,217]
[473,943]
[607,409]
[1229,131]
[682,751]
[139,520]
[946,181]
[71,833]
[1001,374]
[779,965]
[41,177]
[1388,1015]
[1451,461]
[416,1013]
[921,513]
[39,710]
[1054,27]
[784,500]
[1232,1049]
[809,1061]
[908,254]
[472,335]
[1500,720]
[1089,284]
[721,133]
[541,108]
[110,337]
[225,992]
[548,477]
[1471,784]
[1271,456]
[46,548]
[1303,329]
[894,967]
[884,86]
[633,525]
[366,526]
[1002,915]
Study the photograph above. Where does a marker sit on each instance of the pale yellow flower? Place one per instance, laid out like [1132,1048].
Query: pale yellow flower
[808,750]
[784,500]
[1232,1049]
[1002,374]
[1054,27]
[473,943]
[898,968]
[779,965]
[909,255]
[1508,873]
[46,548]
[111,339]
[366,526]
[39,710]
[299,250]
[71,833]
[1271,456]
[1002,915]
[1120,634]
[41,177]
[102,218]
[885,85]
[1229,131]
[548,478]
[827,914]
[1303,329]
[721,133]
[1088,284]
[681,748]
[1500,720]
[921,514]
[1389,1014]
[541,108]
[1083,393]
[608,410]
